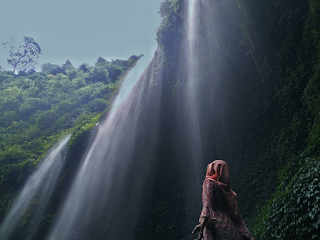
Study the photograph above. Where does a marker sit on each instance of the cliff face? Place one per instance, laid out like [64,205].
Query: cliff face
[285,46]
[257,97]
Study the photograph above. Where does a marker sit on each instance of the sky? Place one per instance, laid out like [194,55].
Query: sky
[81,31]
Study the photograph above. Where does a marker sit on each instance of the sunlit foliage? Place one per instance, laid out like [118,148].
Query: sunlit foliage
[36,108]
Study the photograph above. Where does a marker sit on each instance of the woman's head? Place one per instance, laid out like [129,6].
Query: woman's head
[218,170]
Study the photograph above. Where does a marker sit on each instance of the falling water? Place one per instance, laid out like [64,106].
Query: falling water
[204,103]
[35,193]
[100,188]
[190,7]
[202,132]
[192,128]
[130,80]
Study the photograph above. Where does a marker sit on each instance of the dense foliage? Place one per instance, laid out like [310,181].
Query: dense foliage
[37,108]
[293,211]
[287,58]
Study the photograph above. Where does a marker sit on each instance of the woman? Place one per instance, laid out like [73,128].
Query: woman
[220,218]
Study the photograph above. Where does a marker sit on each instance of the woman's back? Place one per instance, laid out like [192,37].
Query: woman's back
[220,217]
[220,225]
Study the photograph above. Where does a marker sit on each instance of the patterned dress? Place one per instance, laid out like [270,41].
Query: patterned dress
[220,225]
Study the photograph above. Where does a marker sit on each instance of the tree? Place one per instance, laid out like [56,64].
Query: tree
[165,8]
[101,62]
[98,74]
[23,57]
[84,67]
[71,73]
[115,71]
[45,119]
[67,66]
[51,68]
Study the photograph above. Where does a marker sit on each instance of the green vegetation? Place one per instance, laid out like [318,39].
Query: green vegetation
[292,212]
[287,154]
[37,108]
[169,34]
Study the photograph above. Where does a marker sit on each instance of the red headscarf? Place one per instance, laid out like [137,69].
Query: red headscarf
[218,172]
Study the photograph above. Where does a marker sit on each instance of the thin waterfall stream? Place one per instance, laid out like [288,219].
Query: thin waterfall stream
[36,193]
[191,95]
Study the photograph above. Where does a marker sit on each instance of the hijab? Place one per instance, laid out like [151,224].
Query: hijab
[218,172]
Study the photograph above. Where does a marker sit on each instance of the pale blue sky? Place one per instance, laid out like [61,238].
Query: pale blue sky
[79,30]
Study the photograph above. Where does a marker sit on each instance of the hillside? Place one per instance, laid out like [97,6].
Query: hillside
[38,108]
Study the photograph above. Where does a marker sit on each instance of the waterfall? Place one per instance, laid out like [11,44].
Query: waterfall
[191,110]
[130,81]
[190,7]
[34,197]
[145,163]
[207,39]
[203,132]
[102,184]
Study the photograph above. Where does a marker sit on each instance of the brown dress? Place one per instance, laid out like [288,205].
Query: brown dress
[220,225]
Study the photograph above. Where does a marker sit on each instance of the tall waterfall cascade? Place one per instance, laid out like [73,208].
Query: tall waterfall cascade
[102,176]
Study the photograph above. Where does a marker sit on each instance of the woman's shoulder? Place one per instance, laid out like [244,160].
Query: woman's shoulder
[208,182]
